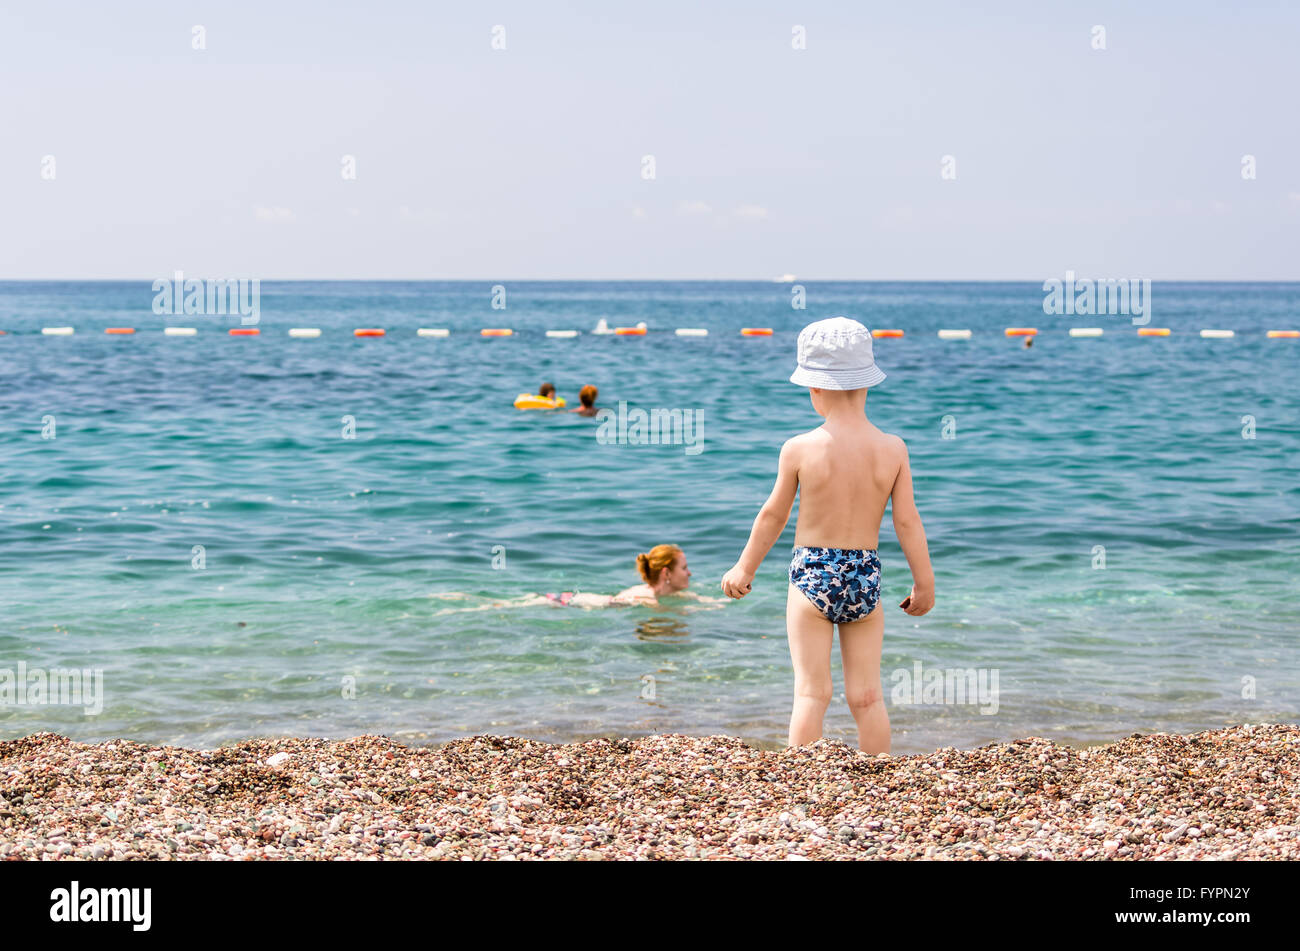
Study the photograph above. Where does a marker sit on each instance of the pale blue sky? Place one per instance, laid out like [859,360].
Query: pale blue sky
[525,163]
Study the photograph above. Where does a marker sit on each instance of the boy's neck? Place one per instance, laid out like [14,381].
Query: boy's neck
[846,414]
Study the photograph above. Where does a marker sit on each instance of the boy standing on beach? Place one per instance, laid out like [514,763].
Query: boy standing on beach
[845,472]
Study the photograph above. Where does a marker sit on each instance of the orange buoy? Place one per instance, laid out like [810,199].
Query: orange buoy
[1153,331]
[1284,333]
[367,332]
[1022,331]
[495,332]
[756,331]
[244,331]
[630,331]
[119,330]
[886,333]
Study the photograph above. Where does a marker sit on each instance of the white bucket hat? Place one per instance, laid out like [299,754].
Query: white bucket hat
[835,354]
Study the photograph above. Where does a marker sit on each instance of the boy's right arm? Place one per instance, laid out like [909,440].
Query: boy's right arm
[769,524]
[911,535]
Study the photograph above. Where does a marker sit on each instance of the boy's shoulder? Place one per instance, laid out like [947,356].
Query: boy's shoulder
[798,441]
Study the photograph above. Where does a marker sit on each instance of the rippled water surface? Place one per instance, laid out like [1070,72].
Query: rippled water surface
[348,584]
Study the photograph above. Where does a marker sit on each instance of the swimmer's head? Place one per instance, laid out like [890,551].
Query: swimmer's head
[664,564]
[587,396]
[546,389]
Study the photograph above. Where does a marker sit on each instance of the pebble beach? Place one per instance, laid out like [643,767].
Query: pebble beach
[1221,794]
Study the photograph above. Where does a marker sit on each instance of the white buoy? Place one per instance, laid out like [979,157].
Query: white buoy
[1217,334]
[562,333]
[692,332]
[304,331]
[1085,331]
[180,331]
[57,331]
[433,332]
[954,334]
[602,327]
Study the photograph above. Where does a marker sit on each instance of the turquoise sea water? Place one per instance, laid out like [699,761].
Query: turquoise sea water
[336,566]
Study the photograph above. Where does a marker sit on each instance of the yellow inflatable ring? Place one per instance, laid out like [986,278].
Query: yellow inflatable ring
[531,401]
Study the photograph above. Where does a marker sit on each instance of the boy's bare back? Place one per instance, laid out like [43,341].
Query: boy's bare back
[846,472]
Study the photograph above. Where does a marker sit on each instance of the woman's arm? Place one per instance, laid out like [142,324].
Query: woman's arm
[700,597]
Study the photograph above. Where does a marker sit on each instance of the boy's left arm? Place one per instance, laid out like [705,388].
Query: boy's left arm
[768,525]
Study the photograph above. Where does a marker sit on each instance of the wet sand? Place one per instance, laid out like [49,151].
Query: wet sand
[1223,794]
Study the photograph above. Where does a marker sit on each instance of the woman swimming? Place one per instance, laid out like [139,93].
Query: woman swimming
[663,570]
[664,573]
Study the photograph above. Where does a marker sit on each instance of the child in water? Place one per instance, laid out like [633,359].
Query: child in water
[845,473]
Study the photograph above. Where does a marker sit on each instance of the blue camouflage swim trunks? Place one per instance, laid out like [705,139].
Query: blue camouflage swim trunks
[843,583]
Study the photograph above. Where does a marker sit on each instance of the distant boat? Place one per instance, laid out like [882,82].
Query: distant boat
[783,279]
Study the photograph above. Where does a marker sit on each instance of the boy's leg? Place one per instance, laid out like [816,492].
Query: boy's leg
[810,637]
[860,656]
